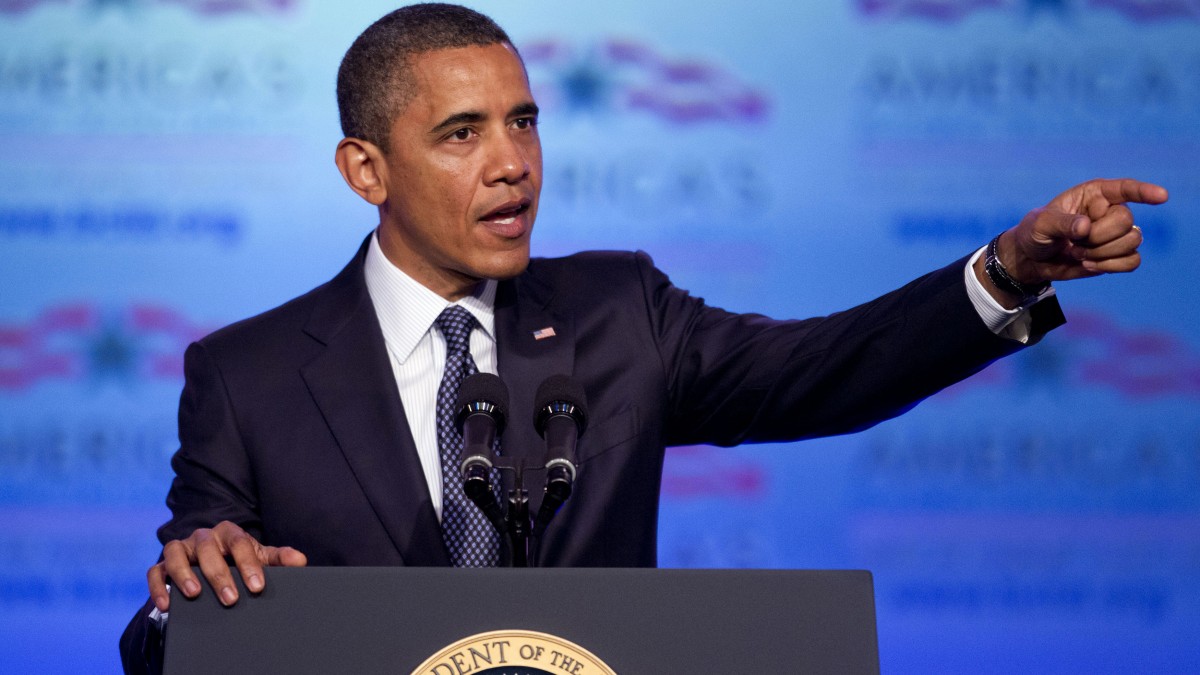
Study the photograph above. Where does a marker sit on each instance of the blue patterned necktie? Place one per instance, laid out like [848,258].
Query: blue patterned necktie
[470,538]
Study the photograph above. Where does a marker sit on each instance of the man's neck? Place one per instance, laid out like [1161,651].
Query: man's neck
[449,284]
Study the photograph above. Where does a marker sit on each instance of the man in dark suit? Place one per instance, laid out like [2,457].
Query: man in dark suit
[303,431]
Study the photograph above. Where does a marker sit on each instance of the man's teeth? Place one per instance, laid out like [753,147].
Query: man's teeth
[506,217]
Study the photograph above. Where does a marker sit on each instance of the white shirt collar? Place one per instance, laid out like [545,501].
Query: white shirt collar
[407,310]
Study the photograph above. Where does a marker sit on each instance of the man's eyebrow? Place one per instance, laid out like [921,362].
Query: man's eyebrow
[528,109]
[466,117]
[472,116]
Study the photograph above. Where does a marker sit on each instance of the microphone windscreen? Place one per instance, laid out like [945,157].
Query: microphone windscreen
[484,387]
[565,395]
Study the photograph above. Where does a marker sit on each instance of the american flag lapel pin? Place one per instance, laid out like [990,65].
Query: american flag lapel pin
[543,333]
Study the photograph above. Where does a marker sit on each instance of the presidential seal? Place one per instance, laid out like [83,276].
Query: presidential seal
[513,652]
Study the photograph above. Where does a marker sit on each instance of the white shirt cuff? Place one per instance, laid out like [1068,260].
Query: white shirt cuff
[159,619]
[1013,324]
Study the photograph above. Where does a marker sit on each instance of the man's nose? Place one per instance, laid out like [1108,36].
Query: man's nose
[508,161]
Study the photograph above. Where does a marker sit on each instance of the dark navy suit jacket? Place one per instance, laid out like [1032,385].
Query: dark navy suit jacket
[291,425]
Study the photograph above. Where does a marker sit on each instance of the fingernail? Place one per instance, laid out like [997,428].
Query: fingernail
[254,583]
[1077,228]
[228,596]
[191,588]
[1089,265]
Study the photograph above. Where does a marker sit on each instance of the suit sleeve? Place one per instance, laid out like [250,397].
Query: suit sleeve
[142,644]
[213,477]
[738,378]
[213,482]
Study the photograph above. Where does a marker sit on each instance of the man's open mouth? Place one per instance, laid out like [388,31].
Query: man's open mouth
[507,213]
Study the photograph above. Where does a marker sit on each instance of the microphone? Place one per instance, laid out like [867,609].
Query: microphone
[482,409]
[560,418]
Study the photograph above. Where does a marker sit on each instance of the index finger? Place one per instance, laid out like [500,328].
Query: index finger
[1124,190]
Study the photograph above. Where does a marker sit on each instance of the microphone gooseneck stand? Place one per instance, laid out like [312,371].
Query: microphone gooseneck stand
[517,528]
[560,418]
[515,523]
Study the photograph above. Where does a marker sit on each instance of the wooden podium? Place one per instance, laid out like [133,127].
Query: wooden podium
[437,621]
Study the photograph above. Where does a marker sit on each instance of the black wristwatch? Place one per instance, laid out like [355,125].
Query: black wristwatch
[1004,281]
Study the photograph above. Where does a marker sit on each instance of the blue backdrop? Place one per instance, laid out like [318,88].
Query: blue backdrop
[166,168]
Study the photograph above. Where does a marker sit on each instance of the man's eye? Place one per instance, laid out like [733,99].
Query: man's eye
[461,134]
[525,122]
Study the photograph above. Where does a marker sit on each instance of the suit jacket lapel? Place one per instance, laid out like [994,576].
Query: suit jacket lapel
[352,383]
[523,308]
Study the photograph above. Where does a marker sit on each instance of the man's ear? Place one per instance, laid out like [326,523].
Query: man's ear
[363,166]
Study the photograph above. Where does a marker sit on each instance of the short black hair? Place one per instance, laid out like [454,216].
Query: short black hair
[374,82]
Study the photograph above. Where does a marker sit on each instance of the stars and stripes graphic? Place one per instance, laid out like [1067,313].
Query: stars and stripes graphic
[1138,363]
[44,347]
[75,341]
[631,76]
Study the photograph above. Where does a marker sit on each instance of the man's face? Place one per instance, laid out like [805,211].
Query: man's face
[463,170]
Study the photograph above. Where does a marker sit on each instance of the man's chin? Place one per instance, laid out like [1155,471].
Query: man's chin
[510,268]
[500,265]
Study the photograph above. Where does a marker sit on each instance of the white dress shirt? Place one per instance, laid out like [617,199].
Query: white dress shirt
[417,350]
